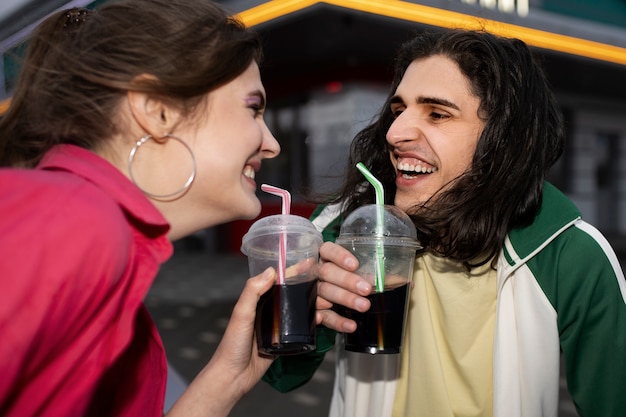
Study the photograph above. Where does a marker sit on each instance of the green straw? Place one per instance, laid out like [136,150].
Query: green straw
[380,219]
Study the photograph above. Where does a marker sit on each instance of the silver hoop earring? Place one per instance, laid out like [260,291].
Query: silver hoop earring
[178,192]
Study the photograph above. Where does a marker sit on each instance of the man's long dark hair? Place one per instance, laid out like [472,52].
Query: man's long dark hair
[523,137]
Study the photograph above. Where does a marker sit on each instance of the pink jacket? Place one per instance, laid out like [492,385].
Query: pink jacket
[80,246]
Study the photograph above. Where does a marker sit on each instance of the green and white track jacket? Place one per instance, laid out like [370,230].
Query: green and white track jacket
[560,290]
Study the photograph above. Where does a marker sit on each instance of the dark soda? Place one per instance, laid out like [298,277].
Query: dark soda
[285,318]
[379,330]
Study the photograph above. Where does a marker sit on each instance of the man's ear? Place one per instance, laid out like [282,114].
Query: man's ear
[153,115]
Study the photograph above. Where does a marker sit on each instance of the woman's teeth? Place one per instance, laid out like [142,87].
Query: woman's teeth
[248,172]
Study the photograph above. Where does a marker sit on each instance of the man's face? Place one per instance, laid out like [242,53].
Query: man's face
[436,129]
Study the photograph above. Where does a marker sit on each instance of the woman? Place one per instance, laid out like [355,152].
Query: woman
[140,123]
[511,276]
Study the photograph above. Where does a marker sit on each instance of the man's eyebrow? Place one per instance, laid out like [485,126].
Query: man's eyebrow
[395,100]
[439,101]
[426,100]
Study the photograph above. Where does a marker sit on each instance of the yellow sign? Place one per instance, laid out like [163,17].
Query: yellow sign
[445,18]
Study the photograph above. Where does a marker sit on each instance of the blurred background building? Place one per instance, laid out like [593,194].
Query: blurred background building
[328,67]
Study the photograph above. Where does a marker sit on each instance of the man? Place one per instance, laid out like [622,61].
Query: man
[511,276]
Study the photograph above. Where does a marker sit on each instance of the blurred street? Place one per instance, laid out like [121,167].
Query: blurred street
[191,302]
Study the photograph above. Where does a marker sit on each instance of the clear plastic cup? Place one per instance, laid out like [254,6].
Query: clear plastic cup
[380,329]
[285,319]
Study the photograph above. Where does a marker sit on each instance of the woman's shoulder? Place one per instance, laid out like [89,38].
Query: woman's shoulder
[54,210]
[65,247]
[55,191]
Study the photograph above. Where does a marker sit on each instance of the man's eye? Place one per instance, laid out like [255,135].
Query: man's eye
[397,112]
[437,116]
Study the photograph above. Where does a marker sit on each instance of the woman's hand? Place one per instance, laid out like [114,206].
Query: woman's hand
[236,365]
[339,285]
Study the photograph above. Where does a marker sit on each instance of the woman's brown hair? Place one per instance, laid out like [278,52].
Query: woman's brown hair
[80,63]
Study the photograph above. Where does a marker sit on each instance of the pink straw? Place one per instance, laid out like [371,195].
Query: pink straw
[282,246]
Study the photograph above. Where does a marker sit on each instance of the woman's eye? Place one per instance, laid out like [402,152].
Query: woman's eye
[256,109]
[256,104]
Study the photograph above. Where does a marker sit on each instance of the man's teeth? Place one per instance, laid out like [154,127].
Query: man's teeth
[248,172]
[406,167]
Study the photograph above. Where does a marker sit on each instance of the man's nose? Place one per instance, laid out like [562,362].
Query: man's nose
[404,128]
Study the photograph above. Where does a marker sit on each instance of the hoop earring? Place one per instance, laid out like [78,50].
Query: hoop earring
[178,192]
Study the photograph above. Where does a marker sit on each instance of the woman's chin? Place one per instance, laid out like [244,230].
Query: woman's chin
[250,210]
[246,207]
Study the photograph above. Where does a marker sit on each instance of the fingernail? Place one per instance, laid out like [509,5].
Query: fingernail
[349,327]
[361,304]
[268,274]
[364,287]
[350,263]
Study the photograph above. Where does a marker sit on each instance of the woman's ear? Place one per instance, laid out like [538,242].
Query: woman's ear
[153,115]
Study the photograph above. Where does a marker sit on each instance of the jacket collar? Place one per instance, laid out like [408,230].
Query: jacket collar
[103,174]
[556,214]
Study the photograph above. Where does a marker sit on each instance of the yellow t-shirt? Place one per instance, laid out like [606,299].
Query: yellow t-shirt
[447,356]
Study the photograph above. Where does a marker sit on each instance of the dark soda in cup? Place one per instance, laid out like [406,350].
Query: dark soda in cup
[285,319]
[386,249]
[285,322]
[381,327]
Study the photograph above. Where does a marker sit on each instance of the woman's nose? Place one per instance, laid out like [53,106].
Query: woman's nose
[270,148]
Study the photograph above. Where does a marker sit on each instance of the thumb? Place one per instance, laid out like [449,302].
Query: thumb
[255,287]
[262,282]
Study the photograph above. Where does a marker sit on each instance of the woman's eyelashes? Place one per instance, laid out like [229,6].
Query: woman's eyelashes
[256,103]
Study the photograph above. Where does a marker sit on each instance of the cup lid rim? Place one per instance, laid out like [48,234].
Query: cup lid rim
[388,240]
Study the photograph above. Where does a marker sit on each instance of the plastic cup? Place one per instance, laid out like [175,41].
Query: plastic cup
[285,316]
[380,329]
